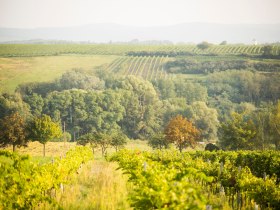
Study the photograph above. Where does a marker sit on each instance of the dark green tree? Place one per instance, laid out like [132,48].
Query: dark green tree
[13,131]
[237,133]
[203,45]
[158,141]
[118,140]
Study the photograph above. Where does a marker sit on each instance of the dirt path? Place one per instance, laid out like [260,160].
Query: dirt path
[97,186]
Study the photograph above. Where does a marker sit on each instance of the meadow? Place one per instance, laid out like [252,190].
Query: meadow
[15,71]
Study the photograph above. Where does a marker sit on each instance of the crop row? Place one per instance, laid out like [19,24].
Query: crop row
[14,50]
[147,67]
[173,180]
[25,185]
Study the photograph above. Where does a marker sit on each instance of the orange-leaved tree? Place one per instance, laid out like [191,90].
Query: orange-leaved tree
[181,132]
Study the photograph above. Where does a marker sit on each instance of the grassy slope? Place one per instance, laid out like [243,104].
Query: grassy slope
[14,71]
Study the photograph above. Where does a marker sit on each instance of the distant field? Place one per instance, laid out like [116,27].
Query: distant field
[21,63]
[30,50]
[14,71]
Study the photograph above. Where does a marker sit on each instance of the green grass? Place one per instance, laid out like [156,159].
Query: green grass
[97,186]
[15,71]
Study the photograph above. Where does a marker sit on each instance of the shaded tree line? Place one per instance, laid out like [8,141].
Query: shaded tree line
[192,66]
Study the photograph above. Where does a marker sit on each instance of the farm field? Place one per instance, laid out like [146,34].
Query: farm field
[97,185]
[139,178]
[202,180]
[29,50]
[14,71]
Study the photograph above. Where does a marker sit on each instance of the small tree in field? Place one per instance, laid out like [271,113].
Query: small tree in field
[203,45]
[158,141]
[118,140]
[88,139]
[43,129]
[13,131]
[181,132]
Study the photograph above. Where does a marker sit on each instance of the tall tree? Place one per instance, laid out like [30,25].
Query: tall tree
[43,129]
[237,133]
[275,124]
[181,132]
[206,119]
[13,131]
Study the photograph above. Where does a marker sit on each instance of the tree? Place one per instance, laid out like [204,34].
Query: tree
[118,140]
[237,133]
[206,120]
[275,124]
[36,103]
[203,45]
[88,139]
[267,51]
[96,139]
[158,141]
[43,129]
[181,132]
[223,43]
[13,131]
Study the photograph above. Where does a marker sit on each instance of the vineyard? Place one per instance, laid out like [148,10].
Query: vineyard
[202,180]
[147,67]
[30,50]
[26,185]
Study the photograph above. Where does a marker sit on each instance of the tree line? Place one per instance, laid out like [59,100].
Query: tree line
[100,108]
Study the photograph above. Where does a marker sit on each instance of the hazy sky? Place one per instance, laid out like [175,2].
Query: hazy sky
[56,13]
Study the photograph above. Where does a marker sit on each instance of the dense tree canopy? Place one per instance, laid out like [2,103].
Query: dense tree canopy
[100,102]
[238,133]
[13,131]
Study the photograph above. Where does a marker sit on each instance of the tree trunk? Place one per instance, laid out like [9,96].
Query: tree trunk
[180,148]
[44,150]
[14,147]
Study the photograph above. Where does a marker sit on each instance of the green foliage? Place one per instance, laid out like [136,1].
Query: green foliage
[168,179]
[203,45]
[26,185]
[43,129]
[10,103]
[158,141]
[36,103]
[13,131]
[237,133]
[79,80]
[118,140]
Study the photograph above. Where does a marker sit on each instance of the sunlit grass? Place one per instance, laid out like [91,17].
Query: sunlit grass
[98,185]
[15,71]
